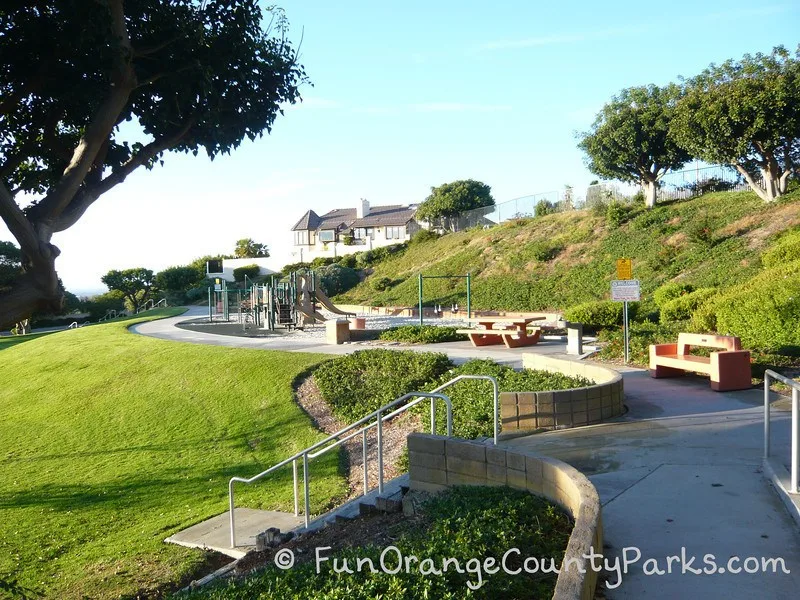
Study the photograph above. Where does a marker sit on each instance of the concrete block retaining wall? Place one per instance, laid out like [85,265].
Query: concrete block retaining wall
[527,411]
[437,462]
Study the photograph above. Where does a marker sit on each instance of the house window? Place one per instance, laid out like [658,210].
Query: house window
[395,233]
[362,233]
[304,238]
[327,235]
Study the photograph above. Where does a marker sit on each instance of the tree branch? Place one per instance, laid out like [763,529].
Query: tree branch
[122,82]
[17,223]
[751,182]
[87,197]
[147,50]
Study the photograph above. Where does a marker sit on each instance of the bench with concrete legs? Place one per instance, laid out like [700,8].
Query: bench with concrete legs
[729,368]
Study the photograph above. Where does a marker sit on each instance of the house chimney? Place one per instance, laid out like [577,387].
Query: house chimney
[362,210]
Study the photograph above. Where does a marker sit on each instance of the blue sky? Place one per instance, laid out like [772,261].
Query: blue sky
[411,95]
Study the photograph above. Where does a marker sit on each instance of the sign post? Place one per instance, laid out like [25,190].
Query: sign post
[625,290]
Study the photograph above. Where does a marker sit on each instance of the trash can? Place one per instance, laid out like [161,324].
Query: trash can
[359,323]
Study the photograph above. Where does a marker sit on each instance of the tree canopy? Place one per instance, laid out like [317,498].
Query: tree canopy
[178,279]
[247,248]
[192,74]
[630,138]
[134,284]
[746,114]
[449,200]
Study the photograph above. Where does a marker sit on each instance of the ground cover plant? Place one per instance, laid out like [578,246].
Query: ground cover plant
[511,271]
[422,334]
[462,523]
[113,441]
[472,400]
[356,384]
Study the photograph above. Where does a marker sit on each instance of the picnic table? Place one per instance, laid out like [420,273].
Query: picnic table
[511,331]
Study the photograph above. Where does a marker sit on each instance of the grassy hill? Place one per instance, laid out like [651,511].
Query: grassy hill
[559,260]
[113,441]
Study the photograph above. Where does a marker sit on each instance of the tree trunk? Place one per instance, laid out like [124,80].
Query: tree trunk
[36,290]
[650,189]
[774,180]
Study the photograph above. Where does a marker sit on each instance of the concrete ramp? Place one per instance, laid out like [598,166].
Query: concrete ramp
[215,534]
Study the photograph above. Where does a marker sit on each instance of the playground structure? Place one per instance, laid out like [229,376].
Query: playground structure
[291,302]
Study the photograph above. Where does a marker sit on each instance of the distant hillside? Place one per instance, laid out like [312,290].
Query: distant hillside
[560,260]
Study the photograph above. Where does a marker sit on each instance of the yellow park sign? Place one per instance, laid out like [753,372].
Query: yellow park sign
[624,268]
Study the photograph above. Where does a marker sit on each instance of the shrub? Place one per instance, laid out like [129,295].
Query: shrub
[545,251]
[785,251]
[641,336]
[98,306]
[543,207]
[381,284]
[616,214]
[423,236]
[336,279]
[683,307]
[701,231]
[422,334]
[322,261]
[670,291]
[472,400]
[356,384]
[764,311]
[600,313]
[197,294]
[251,271]
[348,261]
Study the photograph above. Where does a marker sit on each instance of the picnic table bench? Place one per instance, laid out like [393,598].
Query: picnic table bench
[729,367]
[511,331]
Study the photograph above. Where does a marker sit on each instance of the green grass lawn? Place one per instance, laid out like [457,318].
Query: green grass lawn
[9,341]
[113,441]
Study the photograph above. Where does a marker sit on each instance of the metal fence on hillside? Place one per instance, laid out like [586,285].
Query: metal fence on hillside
[677,185]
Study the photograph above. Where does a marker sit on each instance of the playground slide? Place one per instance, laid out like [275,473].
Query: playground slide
[326,302]
[309,314]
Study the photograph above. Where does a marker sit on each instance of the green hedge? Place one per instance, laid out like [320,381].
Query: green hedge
[251,271]
[599,313]
[671,291]
[683,307]
[356,384]
[765,311]
[422,334]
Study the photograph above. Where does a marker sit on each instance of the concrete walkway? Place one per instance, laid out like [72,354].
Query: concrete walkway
[458,351]
[681,470]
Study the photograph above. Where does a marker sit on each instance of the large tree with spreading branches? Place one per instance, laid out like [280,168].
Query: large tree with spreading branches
[190,75]
[630,138]
[746,114]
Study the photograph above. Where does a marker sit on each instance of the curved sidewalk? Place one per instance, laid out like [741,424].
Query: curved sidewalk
[167,329]
[681,470]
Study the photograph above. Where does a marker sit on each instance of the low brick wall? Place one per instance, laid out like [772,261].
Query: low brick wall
[522,412]
[437,462]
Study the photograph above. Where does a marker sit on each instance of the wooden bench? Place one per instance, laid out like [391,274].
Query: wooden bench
[729,368]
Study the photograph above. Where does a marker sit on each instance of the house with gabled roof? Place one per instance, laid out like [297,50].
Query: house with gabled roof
[346,230]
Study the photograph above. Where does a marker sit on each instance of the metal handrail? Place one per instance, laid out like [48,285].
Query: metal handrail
[364,425]
[795,464]
[305,454]
[496,429]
